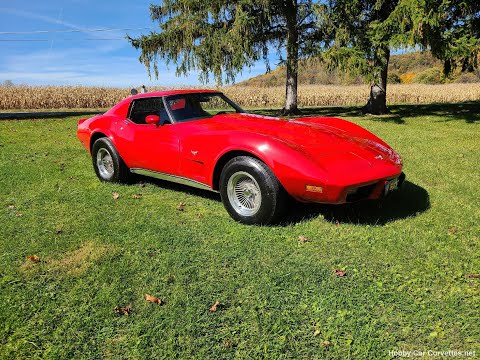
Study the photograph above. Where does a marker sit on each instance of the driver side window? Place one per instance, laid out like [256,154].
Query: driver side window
[141,108]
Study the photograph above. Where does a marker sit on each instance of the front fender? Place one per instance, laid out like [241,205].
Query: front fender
[200,154]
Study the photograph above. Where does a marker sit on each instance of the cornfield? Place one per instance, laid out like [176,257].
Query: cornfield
[59,97]
[334,95]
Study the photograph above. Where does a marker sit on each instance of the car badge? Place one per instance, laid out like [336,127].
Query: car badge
[194,152]
[379,157]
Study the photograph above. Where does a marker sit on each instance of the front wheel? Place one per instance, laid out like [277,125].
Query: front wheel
[250,191]
[107,163]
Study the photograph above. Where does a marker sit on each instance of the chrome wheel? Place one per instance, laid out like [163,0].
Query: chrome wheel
[244,193]
[105,164]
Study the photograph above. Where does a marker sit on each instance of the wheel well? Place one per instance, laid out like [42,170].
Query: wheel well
[94,138]
[223,161]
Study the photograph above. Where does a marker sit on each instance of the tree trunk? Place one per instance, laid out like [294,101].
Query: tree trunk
[377,102]
[291,107]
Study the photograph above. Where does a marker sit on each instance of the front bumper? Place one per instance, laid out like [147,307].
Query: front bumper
[372,190]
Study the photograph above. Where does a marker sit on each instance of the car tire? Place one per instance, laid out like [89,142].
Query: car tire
[108,164]
[250,191]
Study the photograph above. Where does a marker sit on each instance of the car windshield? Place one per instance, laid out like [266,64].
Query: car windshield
[195,106]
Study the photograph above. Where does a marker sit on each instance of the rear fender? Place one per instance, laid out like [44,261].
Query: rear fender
[97,127]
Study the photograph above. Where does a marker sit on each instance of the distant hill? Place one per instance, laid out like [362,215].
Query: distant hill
[415,67]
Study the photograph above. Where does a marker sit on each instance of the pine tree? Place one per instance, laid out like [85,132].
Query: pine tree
[363,32]
[450,29]
[220,38]
[358,40]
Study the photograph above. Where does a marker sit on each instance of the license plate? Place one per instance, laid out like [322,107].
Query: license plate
[391,185]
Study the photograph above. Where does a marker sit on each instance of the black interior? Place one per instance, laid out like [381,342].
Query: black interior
[141,108]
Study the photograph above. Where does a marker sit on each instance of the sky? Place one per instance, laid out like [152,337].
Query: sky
[102,58]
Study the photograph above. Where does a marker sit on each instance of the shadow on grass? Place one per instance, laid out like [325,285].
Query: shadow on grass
[42,115]
[466,111]
[410,200]
[139,179]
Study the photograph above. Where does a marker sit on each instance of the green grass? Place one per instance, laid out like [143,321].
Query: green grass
[405,261]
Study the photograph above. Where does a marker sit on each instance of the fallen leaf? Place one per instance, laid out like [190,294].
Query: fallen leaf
[452,230]
[340,273]
[316,333]
[215,306]
[181,206]
[303,239]
[137,196]
[58,231]
[125,310]
[325,344]
[153,299]
[11,207]
[33,258]
[473,276]
[115,195]
[18,214]
[228,344]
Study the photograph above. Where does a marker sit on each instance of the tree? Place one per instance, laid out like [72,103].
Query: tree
[450,29]
[359,39]
[362,33]
[8,83]
[221,38]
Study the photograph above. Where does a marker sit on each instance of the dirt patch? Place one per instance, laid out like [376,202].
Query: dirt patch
[113,347]
[72,263]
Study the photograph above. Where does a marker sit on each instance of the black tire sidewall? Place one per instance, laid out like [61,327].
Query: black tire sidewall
[105,143]
[266,182]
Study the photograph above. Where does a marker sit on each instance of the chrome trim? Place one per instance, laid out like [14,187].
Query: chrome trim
[172,178]
[105,164]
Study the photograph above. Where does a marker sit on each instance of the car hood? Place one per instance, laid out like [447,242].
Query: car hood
[315,139]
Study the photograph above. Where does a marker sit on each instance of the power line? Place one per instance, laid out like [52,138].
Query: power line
[22,40]
[68,31]
[45,40]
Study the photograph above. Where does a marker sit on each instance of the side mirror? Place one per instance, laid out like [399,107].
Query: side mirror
[153,119]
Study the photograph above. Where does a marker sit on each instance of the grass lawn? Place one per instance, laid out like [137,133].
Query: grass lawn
[405,261]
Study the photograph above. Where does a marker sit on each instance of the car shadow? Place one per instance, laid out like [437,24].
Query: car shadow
[140,179]
[410,200]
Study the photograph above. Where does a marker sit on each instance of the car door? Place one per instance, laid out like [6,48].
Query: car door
[153,147]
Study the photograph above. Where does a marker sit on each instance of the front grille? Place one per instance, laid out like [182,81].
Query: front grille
[362,193]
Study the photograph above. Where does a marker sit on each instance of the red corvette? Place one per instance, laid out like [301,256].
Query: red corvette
[203,139]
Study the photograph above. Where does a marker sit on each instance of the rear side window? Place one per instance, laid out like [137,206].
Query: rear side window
[141,108]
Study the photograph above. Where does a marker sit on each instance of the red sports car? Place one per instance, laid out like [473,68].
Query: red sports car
[203,139]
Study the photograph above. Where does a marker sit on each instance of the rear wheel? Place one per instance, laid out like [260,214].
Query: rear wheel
[107,163]
[250,191]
